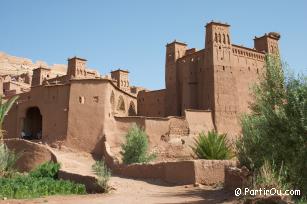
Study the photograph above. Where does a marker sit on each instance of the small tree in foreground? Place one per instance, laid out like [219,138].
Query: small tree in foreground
[212,146]
[103,173]
[135,148]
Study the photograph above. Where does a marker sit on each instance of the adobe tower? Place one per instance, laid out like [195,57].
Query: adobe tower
[215,79]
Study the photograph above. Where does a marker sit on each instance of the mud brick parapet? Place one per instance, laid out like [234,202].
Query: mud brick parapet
[207,172]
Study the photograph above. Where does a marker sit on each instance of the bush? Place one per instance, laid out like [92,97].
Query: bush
[269,178]
[30,187]
[135,149]
[103,173]
[276,128]
[212,146]
[8,159]
[39,182]
[46,170]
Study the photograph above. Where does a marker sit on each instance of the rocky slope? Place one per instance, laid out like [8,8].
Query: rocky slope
[12,65]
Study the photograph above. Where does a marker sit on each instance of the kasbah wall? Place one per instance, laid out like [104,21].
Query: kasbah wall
[206,89]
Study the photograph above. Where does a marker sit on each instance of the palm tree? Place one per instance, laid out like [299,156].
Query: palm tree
[5,107]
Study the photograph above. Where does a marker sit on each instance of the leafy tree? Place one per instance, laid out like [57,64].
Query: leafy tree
[276,129]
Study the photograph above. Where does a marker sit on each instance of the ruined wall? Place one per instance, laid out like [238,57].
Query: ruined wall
[159,130]
[52,102]
[151,103]
[116,131]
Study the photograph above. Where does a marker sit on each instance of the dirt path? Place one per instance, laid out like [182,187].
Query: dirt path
[128,191]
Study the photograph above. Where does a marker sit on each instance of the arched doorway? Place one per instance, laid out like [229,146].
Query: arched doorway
[32,125]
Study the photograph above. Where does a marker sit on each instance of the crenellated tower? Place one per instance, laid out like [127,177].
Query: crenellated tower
[268,43]
[174,51]
[223,87]
[76,67]
[40,74]
[122,79]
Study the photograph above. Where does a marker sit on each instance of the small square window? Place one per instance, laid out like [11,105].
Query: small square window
[81,99]
[95,99]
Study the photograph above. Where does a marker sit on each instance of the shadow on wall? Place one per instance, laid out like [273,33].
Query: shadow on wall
[98,151]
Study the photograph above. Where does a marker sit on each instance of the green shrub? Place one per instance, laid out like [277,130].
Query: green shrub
[276,128]
[269,178]
[8,159]
[30,187]
[39,182]
[212,146]
[135,149]
[103,173]
[46,170]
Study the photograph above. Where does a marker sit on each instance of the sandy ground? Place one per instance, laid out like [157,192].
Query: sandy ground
[130,191]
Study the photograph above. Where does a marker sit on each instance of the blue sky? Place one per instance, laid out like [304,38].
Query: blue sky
[133,34]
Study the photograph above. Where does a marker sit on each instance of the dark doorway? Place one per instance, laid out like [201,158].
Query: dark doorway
[32,126]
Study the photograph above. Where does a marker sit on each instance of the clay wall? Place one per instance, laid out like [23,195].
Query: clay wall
[93,103]
[199,121]
[32,154]
[188,68]
[174,51]
[75,113]
[207,172]
[247,67]
[194,81]
[151,103]
[233,88]
[58,80]
[52,102]
[155,128]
